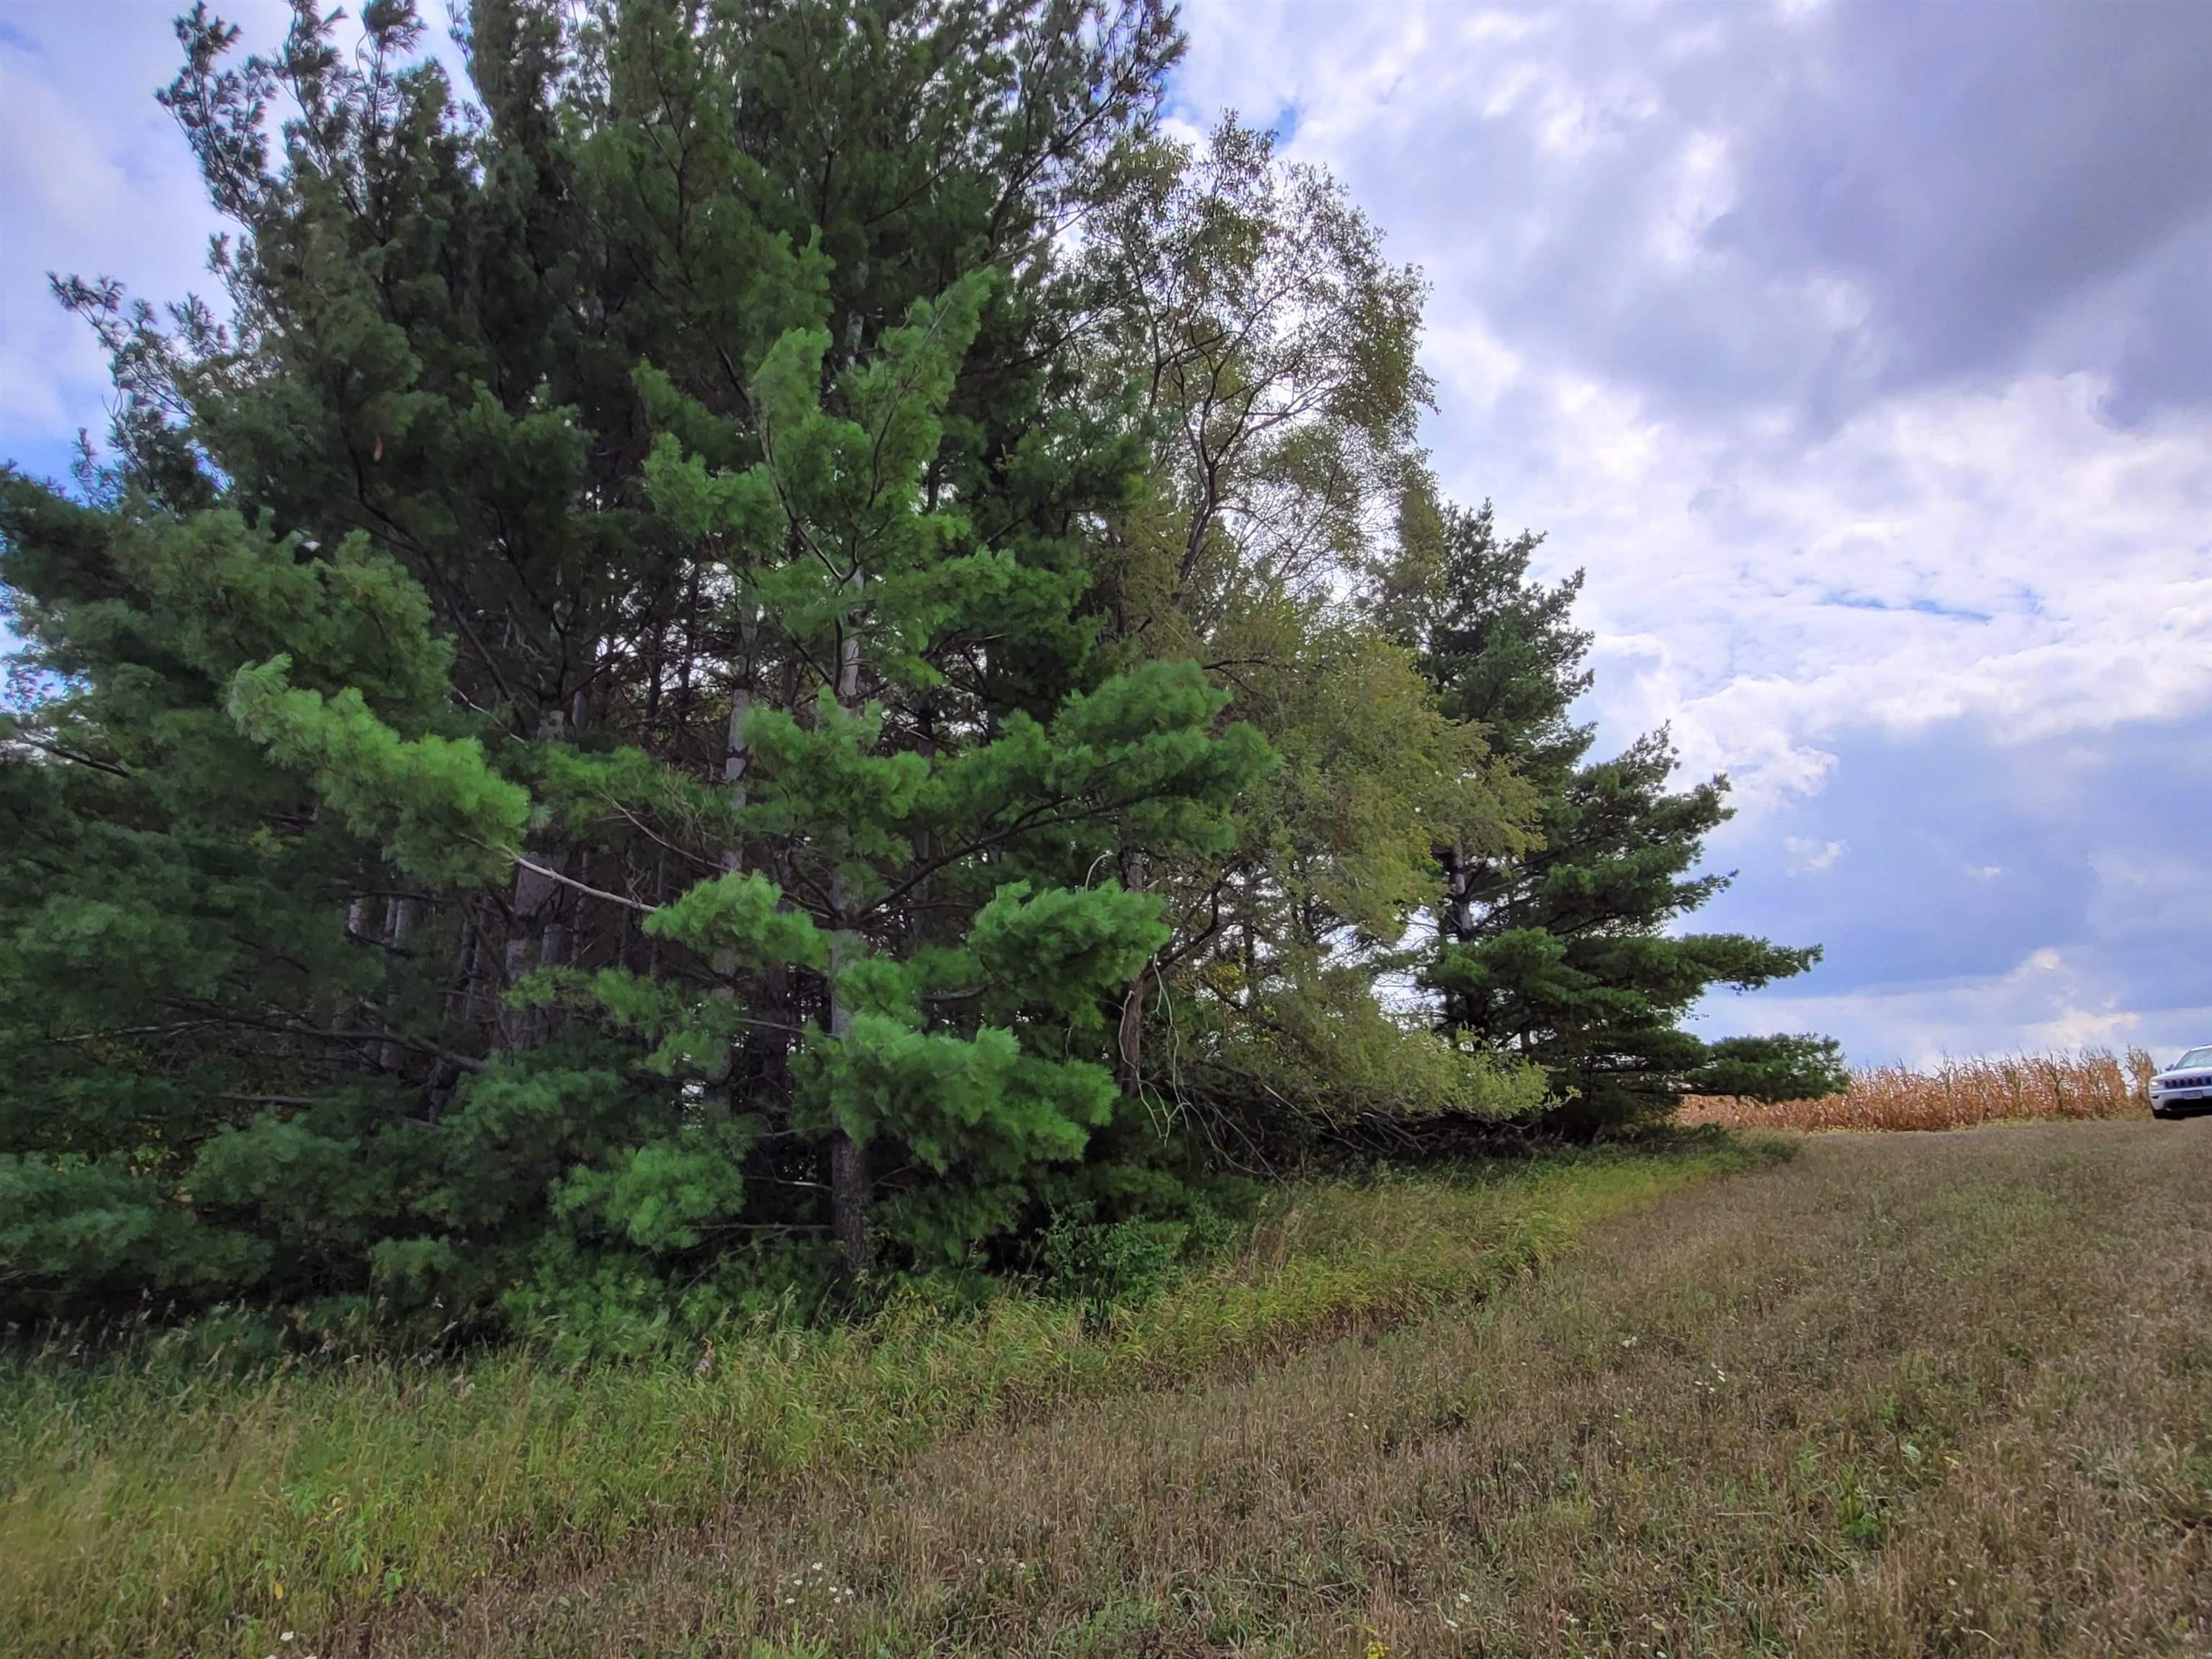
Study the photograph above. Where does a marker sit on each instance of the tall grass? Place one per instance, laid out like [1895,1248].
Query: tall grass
[149,1507]
[1898,1400]
[1955,1095]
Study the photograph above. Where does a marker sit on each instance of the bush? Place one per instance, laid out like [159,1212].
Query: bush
[1109,1265]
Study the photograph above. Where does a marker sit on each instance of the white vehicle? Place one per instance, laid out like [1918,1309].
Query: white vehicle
[2184,1086]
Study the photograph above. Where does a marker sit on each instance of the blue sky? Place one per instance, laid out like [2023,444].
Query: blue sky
[1862,353]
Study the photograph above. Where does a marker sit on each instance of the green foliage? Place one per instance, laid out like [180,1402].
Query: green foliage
[432,802]
[1059,952]
[643,727]
[660,1196]
[1323,1046]
[1565,955]
[395,926]
[1788,1067]
[740,913]
[1109,1265]
[95,1225]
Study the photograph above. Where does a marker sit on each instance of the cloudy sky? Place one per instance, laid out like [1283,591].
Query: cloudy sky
[1862,353]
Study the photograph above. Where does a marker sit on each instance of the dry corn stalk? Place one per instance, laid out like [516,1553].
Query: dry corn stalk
[1955,1095]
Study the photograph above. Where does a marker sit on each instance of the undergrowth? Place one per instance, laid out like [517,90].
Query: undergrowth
[149,1504]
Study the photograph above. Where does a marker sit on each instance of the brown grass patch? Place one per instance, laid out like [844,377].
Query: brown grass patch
[1930,1395]
[1958,1094]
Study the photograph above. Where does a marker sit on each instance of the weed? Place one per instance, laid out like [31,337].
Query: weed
[1899,1395]
[1105,1266]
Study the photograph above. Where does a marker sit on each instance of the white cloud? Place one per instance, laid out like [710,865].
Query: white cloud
[1809,857]
[1822,393]
[2083,1028]
[2001,559]
[2007,500]
[2043,1001]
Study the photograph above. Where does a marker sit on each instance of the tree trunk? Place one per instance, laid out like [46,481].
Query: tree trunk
[849,1206]
[1129,1038]
[1129,1033]
[769,1042]
[563,914]
[525,943]
[1457,922]
[737,759]
[553,941]
[532,894]
[403,913]
[1251,943]
[919,928]
[849,1192]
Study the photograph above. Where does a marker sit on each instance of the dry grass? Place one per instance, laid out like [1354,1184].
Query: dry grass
[1944,1396]
[1936,1395]
[1957,1095]
[152,1507]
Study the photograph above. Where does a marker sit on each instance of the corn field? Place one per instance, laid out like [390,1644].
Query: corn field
[1955,1095]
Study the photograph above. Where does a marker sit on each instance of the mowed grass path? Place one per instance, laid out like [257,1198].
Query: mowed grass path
[151,1505]
[1938,1394]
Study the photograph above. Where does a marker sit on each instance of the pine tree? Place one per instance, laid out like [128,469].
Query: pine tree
[564,752]
[183,948]
[731,669]
[1564,954]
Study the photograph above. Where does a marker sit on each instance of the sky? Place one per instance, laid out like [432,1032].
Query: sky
[1860,353]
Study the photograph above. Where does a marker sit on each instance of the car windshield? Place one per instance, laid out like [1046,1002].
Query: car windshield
[2195,1057]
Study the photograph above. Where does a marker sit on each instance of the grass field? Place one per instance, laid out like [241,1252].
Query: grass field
[1900,1395]
[155,1508]
[1958,1094]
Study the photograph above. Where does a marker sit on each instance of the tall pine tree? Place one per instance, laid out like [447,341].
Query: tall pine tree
[1567,955]
[564,752]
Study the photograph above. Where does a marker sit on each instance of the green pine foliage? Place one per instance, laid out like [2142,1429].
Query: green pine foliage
[1566,953]
[765,657]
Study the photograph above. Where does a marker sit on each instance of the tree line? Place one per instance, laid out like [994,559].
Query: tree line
[777,646]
